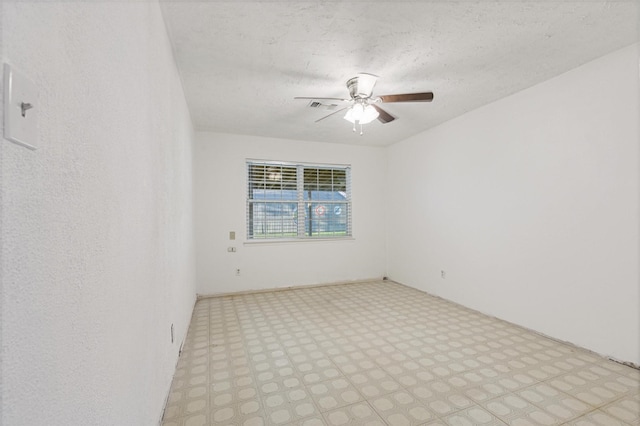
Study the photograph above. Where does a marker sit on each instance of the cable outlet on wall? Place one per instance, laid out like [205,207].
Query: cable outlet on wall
[443,275]
[238,271]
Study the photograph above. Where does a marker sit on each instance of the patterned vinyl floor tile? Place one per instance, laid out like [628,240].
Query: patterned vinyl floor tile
[379,353]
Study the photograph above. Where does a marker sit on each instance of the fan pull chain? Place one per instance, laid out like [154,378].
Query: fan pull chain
[354,127]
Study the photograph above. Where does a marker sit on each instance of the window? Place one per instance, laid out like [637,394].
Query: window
[287,200]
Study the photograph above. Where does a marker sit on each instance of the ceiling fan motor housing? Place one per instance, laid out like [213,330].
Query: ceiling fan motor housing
[361,86]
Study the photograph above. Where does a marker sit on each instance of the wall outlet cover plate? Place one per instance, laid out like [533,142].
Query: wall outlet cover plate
[18,90]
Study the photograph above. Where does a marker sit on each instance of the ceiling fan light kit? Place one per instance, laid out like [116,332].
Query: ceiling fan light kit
[361,113]
[363,109]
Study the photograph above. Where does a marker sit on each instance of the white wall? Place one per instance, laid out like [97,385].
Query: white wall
[220,199]
[97,247]
[530,205]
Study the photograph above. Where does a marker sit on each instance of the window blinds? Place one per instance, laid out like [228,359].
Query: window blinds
[297,201]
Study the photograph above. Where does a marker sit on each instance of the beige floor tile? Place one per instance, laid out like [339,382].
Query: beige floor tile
[401,408]
[474,416]
[383,354]
[334,393]
[359,414]
[597,418]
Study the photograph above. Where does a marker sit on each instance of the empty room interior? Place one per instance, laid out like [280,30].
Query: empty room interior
[320,213]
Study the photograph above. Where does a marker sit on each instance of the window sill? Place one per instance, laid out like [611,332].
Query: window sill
[295,240]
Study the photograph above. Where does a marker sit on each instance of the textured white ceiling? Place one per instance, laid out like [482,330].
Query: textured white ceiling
[242,63]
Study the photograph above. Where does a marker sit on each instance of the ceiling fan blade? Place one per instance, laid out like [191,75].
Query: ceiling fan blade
[322,99]
[384,116]
[408,97]
[334,112]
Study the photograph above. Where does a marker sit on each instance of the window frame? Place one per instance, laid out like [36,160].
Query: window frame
[302,203]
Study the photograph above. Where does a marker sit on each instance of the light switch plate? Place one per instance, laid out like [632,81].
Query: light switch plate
[20,108]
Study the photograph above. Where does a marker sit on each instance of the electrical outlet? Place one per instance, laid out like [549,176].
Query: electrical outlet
[443,275]
[238,271]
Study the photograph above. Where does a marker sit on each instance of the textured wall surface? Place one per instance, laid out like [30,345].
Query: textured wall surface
[530,206]
[220,191]
[97,246]
[1,210]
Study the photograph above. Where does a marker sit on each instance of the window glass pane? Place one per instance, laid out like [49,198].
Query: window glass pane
[340,181]
[327,184]
[256,176]
[289,178]
[310,182]
[272,182]
[273,220]
[325,219]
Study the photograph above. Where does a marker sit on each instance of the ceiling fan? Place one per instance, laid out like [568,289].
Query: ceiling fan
[363,106]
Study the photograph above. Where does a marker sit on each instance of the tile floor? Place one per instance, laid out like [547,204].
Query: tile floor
[381,353]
